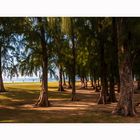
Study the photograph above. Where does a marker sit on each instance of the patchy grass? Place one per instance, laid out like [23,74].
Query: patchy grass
[16,106]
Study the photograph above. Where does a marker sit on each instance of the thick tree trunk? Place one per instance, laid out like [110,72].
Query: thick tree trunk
[60,80]
[125,104]
[43,98]
[2,89]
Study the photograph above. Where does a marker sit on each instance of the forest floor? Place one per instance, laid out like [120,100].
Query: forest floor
[16,105]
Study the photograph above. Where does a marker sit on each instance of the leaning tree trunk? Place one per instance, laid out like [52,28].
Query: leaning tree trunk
[2,89]
[43,98]
[60,80]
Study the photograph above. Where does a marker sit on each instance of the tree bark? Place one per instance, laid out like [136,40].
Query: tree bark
[74,63]
[125,104]
[113,61]
[86,82]
[93,83]
[97,86]
[64,80]
[94,78]
[60,80]
[112,97]
[82,83]
[2,89]
[115,45]
[69,82]
[138,82]
[104,85]
[43,98]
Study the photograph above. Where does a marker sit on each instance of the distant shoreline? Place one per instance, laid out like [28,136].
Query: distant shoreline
[26,80]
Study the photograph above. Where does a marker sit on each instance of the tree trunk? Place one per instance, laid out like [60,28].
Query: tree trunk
[113,61]
[94,79]
[104,89]
[74,63]
[115,45]
[125,104]
[69,82]
[86,82]
[112,97]
[43,98]
[64,80]
[60,80]
[2,89]
[93,84]
[104,85]
[138,86]
[118,86]
[97,86]
[82,83]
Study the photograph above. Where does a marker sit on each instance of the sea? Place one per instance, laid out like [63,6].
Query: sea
[25,79]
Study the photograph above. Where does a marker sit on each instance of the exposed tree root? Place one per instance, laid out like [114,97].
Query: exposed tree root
[42,101]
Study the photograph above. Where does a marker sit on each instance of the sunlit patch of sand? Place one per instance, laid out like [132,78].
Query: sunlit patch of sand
[61,105]
[7,107]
